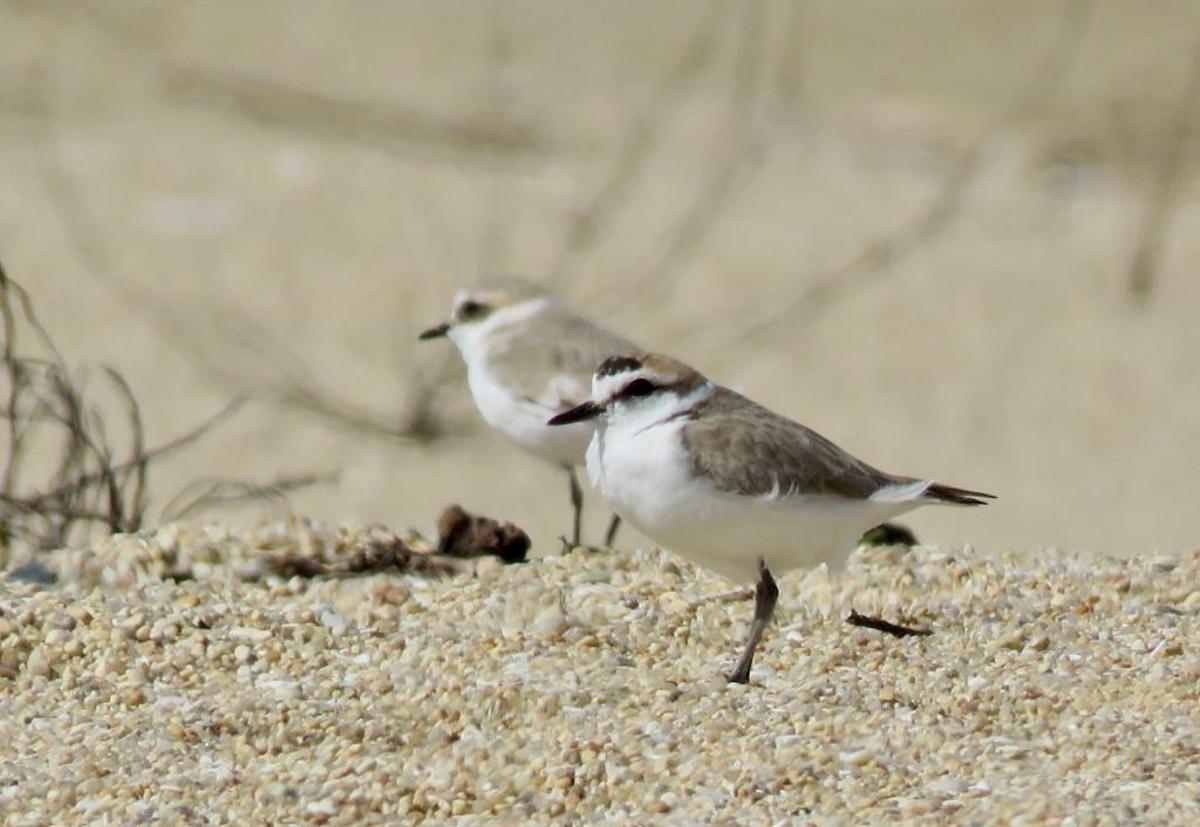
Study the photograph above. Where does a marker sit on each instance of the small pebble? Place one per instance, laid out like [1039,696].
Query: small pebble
[324,807]
[549,623]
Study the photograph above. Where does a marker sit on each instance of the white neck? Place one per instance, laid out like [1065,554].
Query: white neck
[471,337]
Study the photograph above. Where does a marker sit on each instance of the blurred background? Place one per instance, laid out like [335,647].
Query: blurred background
[959,238]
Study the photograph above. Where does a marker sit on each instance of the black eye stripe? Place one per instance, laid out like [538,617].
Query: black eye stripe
[636,388]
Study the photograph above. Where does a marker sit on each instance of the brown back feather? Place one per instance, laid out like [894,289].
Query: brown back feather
[783,455]
[534,359]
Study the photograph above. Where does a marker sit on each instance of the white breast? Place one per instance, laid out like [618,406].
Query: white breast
[524,421]
[645,475]
[521,420]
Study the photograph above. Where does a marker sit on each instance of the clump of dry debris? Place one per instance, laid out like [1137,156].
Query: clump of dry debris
[284,549]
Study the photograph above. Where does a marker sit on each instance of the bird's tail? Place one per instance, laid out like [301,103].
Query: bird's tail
[939,493]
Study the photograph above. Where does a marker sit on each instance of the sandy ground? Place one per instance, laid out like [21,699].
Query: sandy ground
[189,199]
[588,688]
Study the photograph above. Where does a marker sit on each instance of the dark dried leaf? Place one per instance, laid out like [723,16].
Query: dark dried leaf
[461,534]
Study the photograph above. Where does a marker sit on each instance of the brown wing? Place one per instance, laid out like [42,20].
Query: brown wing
[550,361]
[785,458]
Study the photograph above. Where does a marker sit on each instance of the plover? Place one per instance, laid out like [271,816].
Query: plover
[736,488]
[528,358]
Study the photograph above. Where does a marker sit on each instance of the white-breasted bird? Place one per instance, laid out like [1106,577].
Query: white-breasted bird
[736,488]
[528,358]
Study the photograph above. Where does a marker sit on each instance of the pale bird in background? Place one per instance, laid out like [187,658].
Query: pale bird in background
[725,482]
[529,358]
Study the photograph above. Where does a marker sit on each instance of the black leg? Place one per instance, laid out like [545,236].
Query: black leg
[611,534]
[576,503]
[765,595]
[855,619]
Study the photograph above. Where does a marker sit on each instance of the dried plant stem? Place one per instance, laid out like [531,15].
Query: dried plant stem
[1166,187]
[881,253]
[62,478]
[590,224]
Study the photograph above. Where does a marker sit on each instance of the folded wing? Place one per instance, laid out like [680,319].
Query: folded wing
[747,450]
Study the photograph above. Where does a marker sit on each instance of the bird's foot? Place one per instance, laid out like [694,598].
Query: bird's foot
[569,546]
[739,675]
[732,596]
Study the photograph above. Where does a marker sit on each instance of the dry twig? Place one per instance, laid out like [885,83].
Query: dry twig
[205,495]
[48,412]
[592,221]
[390,126]
[880,254]
[289,384]
[1166,187]
[738,146]
[881,625]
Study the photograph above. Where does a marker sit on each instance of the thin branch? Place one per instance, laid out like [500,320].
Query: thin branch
[1166,188]
[291,386]
[591,222]
[42,393]
[494,244]
[881,625]
[133,479]
[79,225]
[881,254]
[205,495]
[791,72]
[286,381]
[7,287]
[88,480]
[68,511]
[87,487]
[737,148]
[389,126]
[16,381]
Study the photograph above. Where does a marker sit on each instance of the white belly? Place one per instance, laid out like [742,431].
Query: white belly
[524,421]
[646,478]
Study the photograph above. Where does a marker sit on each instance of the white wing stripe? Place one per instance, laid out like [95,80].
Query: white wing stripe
[902,491]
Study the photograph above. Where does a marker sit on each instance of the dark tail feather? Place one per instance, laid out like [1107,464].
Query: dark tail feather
[956,496]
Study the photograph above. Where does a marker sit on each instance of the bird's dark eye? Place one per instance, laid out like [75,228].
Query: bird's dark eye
[638,387]
[473,310]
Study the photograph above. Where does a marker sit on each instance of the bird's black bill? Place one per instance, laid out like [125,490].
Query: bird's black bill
[436,332]
[588,410]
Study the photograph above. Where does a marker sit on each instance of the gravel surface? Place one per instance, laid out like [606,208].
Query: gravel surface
[165,678]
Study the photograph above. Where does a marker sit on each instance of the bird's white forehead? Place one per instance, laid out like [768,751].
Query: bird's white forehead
[604,387]
[614,373]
